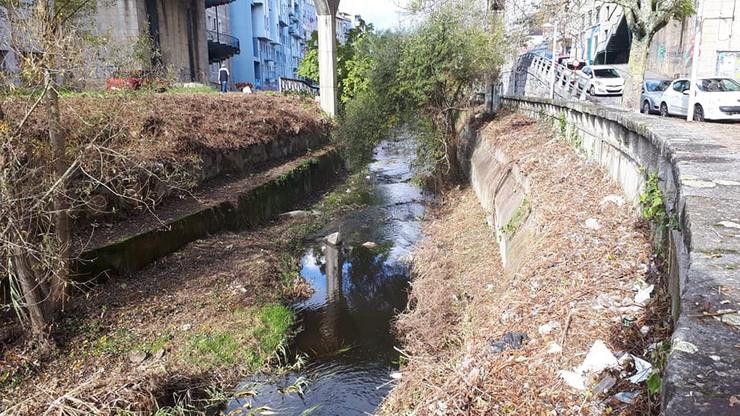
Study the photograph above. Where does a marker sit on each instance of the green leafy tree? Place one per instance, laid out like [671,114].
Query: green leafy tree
[353,62]
[443,63]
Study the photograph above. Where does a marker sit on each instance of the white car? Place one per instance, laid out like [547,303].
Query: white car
[602,80]
[716,99]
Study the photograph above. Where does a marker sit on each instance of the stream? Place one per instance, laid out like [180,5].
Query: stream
[346,325]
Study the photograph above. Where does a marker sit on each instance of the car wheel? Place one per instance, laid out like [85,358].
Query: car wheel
[645,108]
[663,110]
[698,113]
[592,90]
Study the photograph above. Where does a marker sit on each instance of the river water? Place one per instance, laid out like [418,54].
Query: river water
[346,331]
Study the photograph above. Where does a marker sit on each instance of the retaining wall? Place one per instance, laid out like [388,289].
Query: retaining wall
[700,181]
[275,196]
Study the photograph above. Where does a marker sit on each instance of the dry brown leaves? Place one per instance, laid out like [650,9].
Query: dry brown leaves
[196,290]
[461,300]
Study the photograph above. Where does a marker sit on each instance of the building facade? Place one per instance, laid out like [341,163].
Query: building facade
[274,35]
[177,28]
[604,38]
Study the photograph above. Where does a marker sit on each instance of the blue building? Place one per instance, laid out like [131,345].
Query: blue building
[273,35]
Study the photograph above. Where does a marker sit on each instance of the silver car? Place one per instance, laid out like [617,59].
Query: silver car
[652,90]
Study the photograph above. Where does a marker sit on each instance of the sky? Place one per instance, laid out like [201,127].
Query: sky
[382,13]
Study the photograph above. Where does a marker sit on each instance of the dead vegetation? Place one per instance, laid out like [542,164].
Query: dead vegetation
[178,334]
[575,286]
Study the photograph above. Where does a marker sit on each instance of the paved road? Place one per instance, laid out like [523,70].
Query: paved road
[725,133]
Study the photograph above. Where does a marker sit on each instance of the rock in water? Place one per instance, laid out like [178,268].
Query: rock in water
[334,239]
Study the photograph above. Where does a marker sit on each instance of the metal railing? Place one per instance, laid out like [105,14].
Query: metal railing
[222,38]
[297,85]
[569,83]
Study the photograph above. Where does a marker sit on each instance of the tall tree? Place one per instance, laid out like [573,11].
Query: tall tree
[644,19]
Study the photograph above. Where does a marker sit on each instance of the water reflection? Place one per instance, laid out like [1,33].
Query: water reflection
[346,324]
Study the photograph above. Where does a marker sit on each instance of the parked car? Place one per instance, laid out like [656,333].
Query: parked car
[716,99]
[652,92]
[602,80]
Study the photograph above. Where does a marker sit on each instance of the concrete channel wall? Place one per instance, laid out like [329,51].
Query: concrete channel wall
[700,182]
[248,209]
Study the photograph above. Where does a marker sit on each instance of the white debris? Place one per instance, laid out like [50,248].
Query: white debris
[598,359]
[593,224]
[548,327]
[685,346]
[186,327]
[369,245]
[714,357]
[644,329]
[643,295]
[643,368]
[396,376]
[612,199]
[554,348]
[573,379]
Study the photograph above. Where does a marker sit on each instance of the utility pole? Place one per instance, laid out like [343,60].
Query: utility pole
[695,61]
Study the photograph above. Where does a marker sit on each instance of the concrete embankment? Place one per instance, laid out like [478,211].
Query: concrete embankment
[497,312]
[242,206]
[699,179]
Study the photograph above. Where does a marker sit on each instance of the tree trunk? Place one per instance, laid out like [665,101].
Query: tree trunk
[62,226]
[33,297]
[636,68]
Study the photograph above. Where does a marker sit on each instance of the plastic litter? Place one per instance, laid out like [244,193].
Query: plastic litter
[626,396]
[643,295]
[554,348]
[593,224]
[604,385]
[643,368]
[513,340]
[548,327]
[598,359]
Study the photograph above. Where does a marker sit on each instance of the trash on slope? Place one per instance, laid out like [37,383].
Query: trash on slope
[598,359]
[513,340]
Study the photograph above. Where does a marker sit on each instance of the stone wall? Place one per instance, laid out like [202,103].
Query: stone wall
[700,181]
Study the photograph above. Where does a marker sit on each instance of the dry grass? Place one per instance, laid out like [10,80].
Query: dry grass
[205,316]
[461,301]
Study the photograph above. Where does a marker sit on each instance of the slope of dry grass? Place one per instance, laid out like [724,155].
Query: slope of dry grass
[461,302]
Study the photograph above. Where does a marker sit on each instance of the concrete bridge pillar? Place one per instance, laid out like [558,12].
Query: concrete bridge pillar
[327,28]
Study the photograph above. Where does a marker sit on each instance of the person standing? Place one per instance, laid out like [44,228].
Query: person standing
[223,78]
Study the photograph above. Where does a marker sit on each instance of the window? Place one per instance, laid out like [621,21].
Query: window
[606,73]
[718,85]
[681,86]
[656,86]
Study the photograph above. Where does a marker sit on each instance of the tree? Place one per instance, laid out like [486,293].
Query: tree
[443,63]
[644,19]
[351,65]
[54,43]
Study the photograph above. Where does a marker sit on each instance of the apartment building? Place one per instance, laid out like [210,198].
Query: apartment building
[222,45]
[274,35]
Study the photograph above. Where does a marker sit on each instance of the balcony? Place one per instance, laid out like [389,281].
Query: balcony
[214,3]
[221,46]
